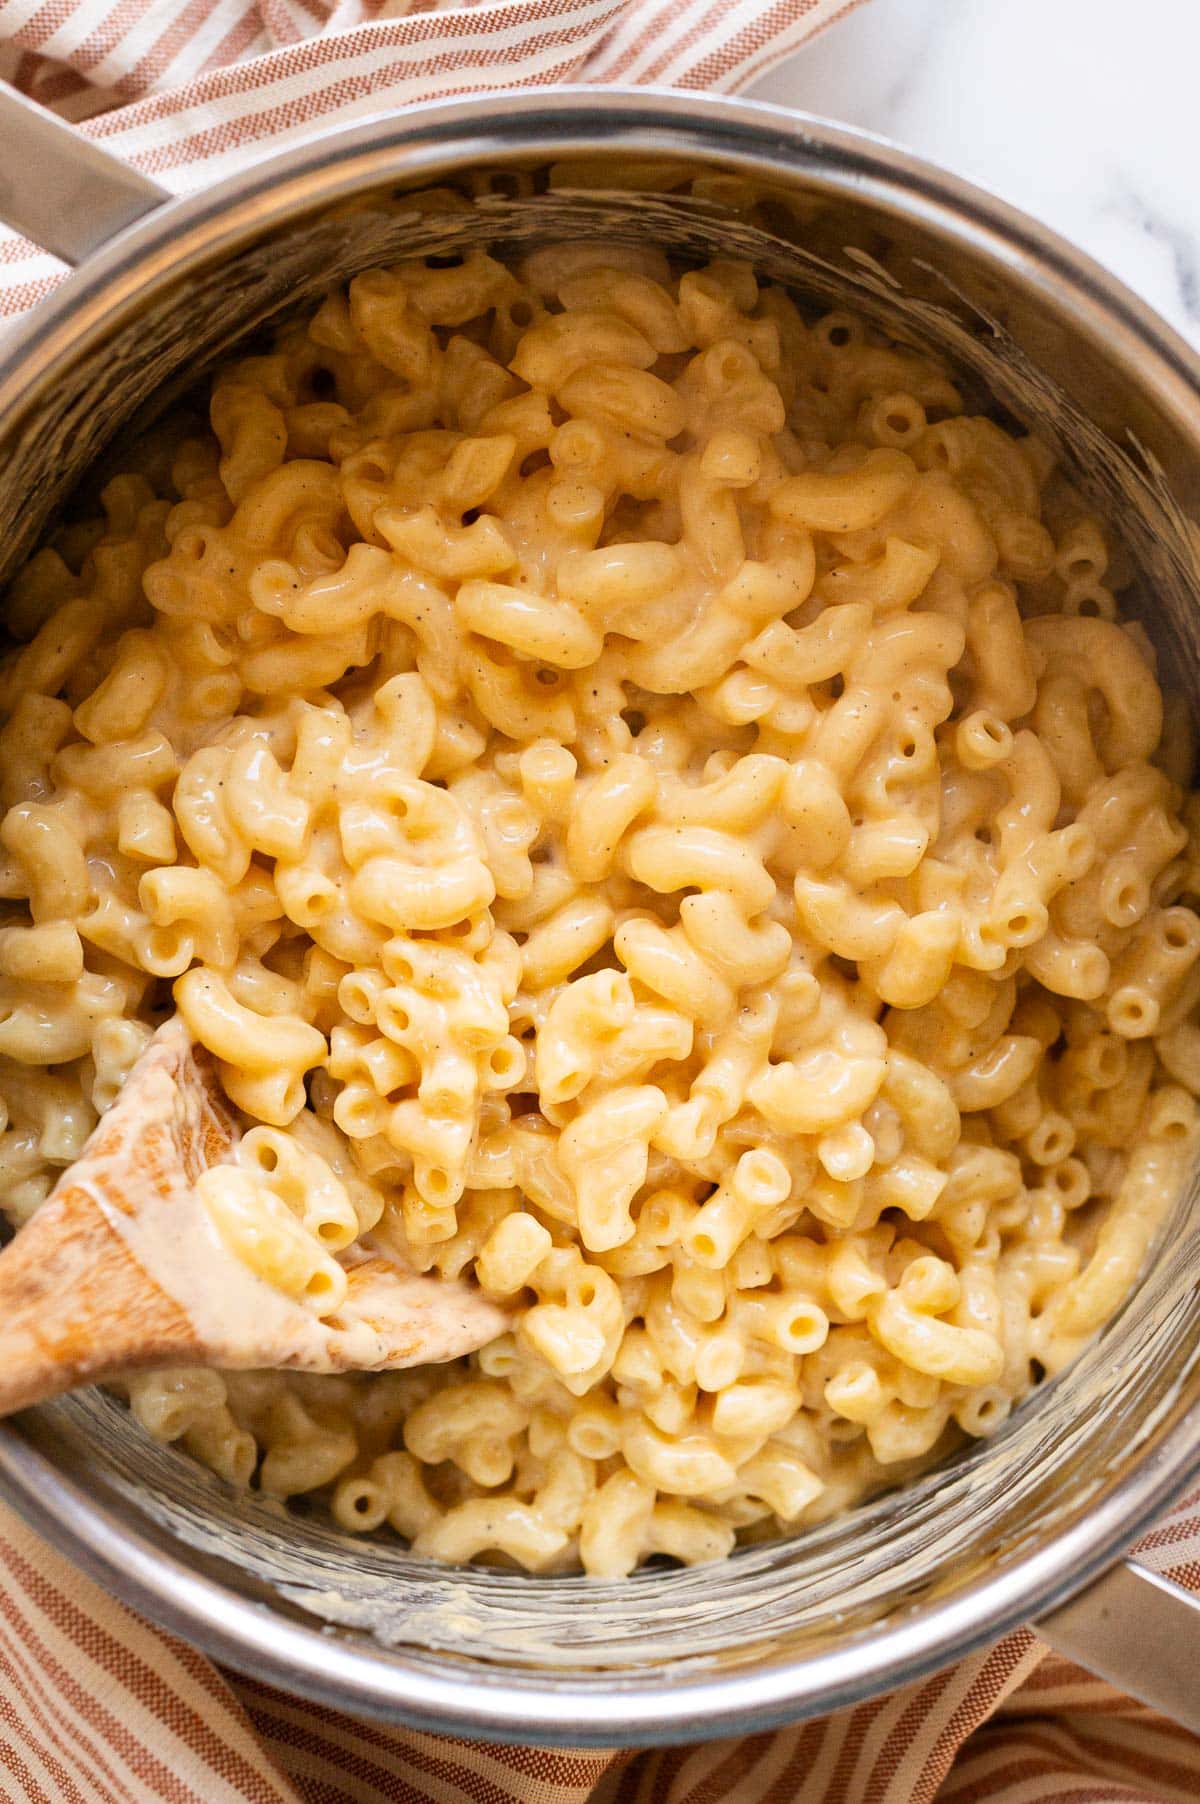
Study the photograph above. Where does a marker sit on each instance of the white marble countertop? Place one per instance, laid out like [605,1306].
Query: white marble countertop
[1083,112]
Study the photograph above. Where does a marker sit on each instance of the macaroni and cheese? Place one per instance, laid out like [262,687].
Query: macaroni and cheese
[653,806]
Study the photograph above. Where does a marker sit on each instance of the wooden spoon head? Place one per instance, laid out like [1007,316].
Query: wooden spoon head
[122,1268]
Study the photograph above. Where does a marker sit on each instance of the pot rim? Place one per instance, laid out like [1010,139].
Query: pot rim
[753,138]
[482,1702]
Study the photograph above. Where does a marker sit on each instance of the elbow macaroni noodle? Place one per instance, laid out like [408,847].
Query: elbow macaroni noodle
[652,804]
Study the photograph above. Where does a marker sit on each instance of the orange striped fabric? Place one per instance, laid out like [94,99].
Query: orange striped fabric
[99,1707]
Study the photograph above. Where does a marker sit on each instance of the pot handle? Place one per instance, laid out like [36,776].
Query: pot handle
[1139,1630]
[59,188]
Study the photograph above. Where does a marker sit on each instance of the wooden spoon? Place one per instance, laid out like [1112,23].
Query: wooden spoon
[122,1268]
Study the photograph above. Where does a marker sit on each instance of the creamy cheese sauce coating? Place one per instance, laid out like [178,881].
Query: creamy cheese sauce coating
[653,806]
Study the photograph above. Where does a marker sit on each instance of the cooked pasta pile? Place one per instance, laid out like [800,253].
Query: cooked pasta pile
[653,807]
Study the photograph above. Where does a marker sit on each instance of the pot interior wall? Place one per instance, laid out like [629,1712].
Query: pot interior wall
[1071,1442]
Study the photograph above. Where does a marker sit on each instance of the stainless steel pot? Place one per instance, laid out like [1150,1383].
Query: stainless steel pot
[1005,1534]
